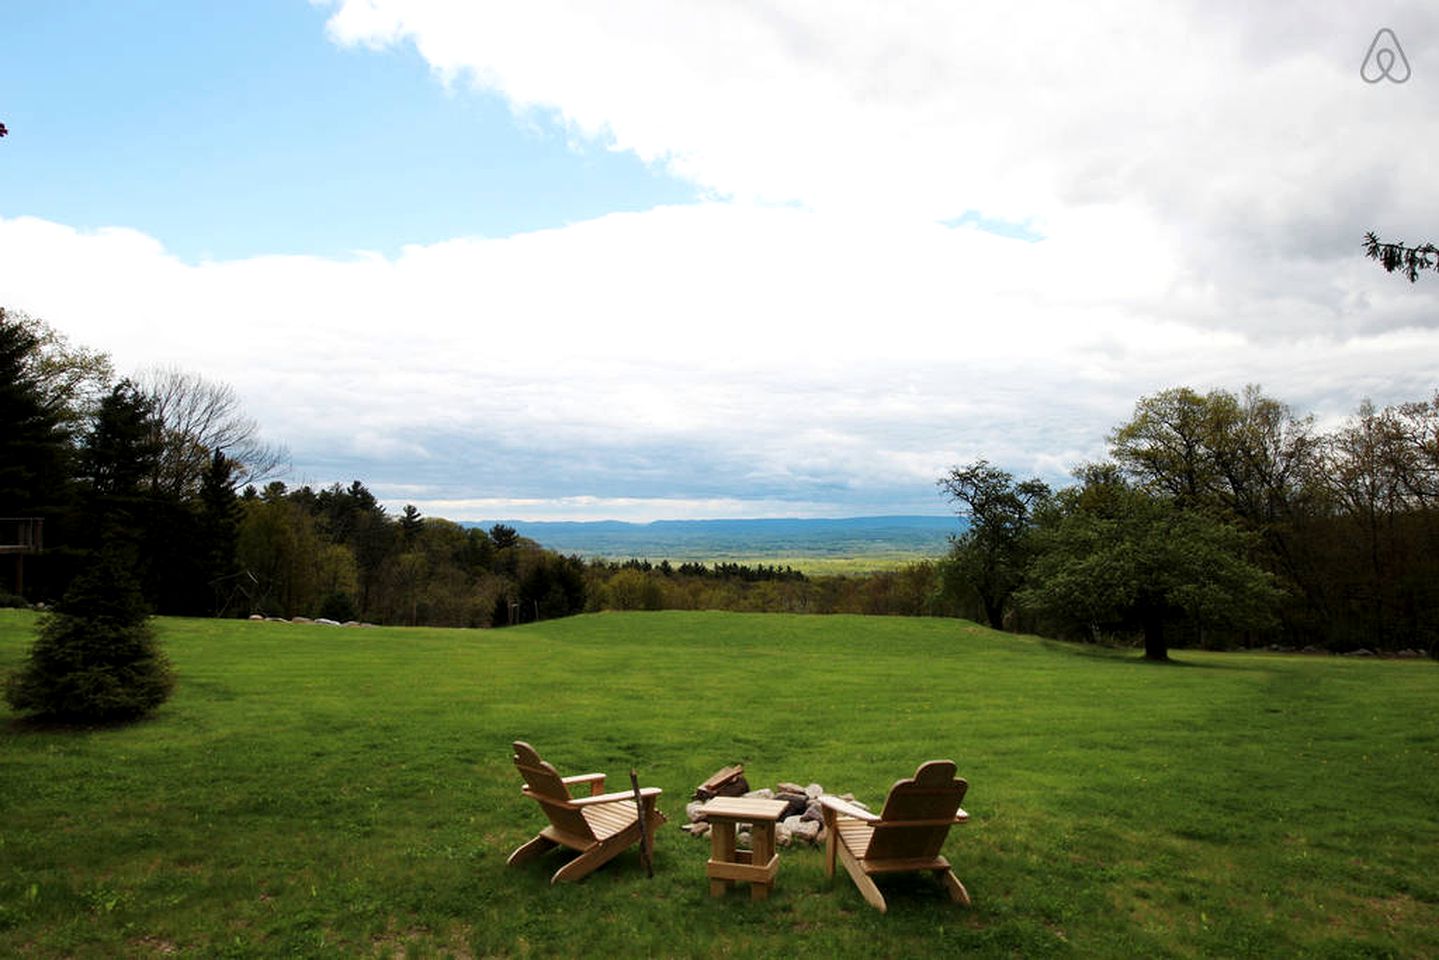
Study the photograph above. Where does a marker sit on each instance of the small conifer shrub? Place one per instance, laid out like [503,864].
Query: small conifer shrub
[95,659]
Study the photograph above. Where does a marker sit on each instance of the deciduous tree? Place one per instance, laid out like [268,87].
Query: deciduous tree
[194,418]
[1113,555]
[990,557]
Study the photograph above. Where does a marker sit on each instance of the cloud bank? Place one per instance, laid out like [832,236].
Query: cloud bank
[815,339]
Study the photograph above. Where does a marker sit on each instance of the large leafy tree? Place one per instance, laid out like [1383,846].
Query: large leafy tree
[1246,457]
[1109,554]
[1247,454]
[990,557]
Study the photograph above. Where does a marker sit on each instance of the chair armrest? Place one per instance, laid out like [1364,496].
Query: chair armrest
[645,792]
[846,809]
[595,780]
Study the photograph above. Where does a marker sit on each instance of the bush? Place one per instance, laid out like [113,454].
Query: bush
[339,606]
[8,599]
[95,659]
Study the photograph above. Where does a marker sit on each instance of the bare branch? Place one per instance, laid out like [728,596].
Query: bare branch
[199,416]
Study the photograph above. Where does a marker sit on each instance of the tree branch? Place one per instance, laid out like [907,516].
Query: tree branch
[1397,256]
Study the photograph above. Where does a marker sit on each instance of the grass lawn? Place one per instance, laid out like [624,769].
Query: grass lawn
[311,791]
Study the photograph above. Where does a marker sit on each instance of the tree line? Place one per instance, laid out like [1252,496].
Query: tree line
[1219,519]
[166,471]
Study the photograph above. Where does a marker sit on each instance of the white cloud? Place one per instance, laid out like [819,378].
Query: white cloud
[1213,114]
[814,340]
[704,356]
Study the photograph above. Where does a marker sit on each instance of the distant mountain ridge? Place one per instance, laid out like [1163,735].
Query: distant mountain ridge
[754,539]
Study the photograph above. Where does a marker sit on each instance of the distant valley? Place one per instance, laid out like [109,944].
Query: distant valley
[857,541]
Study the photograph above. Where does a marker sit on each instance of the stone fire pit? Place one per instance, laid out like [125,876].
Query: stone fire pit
[802,822]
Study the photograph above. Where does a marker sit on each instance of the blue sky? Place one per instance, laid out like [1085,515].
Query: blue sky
[237,130]
[562,260]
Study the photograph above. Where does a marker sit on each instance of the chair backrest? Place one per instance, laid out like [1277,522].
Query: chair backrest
[918,813]
[547,788]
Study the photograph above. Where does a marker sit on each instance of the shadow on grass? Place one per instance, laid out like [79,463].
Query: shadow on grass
[29,726]
[1126,655]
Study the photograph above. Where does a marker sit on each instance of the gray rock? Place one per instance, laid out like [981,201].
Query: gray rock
[787,787]
[763,793]
[814,791]
[797,804]
[327,622]
[814,812]
[256,616]
[807,831]
[695,811]
[301,620]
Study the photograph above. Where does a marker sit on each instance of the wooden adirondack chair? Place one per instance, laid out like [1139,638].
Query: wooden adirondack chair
[600,826]
[905,837]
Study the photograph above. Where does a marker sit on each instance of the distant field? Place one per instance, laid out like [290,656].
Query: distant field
[852,545]
[320,792]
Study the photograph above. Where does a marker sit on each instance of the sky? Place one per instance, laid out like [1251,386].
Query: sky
[686,258]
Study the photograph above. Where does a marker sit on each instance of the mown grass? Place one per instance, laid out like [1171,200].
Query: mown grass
[319,792]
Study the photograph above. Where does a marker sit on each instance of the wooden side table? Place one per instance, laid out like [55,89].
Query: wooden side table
[757,865]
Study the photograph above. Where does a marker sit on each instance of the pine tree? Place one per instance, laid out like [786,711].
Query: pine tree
[95,659]
[218,520]
[411,523]
[34,445]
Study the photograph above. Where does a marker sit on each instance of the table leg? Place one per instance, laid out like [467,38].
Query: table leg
[721,851]
[762,849]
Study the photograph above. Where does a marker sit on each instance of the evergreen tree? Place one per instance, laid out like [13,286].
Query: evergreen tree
[218,523]
[1399,256]
[95,659]
[411,523]
[504,536]
[34,444]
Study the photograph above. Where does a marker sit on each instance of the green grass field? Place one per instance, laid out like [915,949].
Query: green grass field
[319,792]
[828,566]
